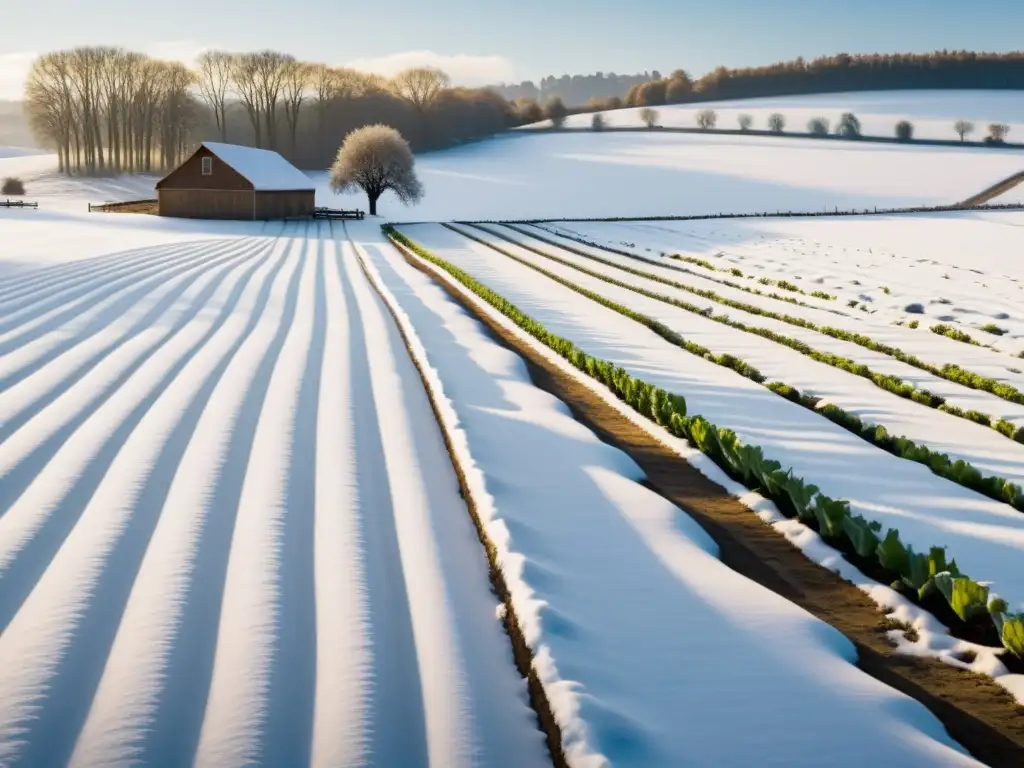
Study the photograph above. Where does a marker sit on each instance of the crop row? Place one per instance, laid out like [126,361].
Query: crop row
[949,371]
[887,382]
[737,272]
[691,260]
[920,575]
[955,334]
[959,471]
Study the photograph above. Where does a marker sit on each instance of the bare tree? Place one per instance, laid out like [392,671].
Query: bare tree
[176,111]
[776,122]
[246,82]
[106,109]
[420,85]
[355,83]
[997,133]
[112,74]
[707,118]
[49,104]
[649,117]
[745,121]
[86,65]
[848,126]
[297,78]
[963,128]
[214,75]
[271,70]
[135,69]
[147,95]
[818,126]
[375,159]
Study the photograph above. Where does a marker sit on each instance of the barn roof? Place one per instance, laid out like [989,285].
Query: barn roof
[266,170]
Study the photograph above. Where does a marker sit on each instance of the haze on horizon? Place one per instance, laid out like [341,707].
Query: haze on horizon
[480,45]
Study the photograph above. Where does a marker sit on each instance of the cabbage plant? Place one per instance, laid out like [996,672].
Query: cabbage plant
[967,598]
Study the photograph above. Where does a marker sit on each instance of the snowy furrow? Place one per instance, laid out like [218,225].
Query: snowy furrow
[437,553]
[344,654]
[145,707]
[55,311]
[14,291]
[237,706]
[654,652]
[498,701]
[982,446]
[36,432]
[62,354]
[67,521]
[987,538]
[230,534]
[929,347]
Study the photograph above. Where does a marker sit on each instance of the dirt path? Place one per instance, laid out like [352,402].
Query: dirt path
[994,191]
[976,711]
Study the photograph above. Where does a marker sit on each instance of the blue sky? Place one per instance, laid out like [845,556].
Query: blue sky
[523,39]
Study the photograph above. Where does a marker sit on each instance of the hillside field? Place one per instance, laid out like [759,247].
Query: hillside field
[932,113]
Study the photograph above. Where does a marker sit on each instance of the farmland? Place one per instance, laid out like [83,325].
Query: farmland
[523,175]
[481,491]
[932,112]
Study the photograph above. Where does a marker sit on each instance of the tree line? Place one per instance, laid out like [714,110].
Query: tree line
[848,125]
[109,110]
[574,90]
[106,109]
[841,72]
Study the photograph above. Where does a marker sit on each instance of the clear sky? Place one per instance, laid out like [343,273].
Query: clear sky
[481,41]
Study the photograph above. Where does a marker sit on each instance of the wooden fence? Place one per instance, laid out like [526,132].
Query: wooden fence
[128,206]
[336,213]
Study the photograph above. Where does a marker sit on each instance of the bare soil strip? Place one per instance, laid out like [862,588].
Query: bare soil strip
[994,191]
[976,711]
[521,651]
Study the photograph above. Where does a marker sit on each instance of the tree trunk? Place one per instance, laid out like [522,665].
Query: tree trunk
[373,203]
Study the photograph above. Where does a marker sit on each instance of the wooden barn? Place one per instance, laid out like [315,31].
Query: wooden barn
[225,181]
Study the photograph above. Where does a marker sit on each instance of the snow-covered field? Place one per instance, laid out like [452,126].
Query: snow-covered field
[230,533]
[983,447]
[56,192]
[932,113]
[957,268]
[635,174]
[9,152]
[229,527]
[592,541]
[987,537]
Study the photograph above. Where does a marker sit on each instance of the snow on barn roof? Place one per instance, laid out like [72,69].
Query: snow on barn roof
[267,170]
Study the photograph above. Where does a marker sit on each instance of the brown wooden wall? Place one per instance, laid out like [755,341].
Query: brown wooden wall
[282,205]
[205,204]
[228,204]
[189,175]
